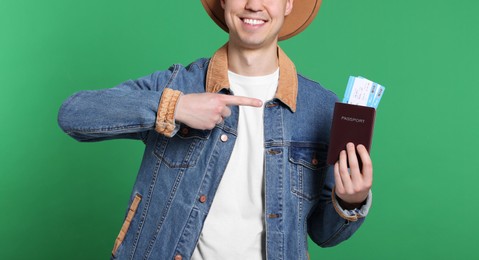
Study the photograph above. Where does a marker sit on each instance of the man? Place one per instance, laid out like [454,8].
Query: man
[234,165]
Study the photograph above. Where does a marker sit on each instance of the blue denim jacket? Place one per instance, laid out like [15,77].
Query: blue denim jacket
[179,175]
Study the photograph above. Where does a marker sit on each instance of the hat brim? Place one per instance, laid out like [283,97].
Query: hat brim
[303,13]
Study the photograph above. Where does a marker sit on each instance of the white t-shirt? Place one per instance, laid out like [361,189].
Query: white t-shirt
[234,227]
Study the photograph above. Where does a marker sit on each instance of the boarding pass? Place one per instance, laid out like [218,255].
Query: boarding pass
[363,92]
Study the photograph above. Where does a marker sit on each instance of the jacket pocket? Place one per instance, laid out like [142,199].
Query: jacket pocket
[126,224]
[183,149]
[308,169]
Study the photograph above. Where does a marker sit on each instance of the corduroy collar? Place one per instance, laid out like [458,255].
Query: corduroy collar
[217,76]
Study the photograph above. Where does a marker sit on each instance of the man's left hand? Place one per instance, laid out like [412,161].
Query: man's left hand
[353,184]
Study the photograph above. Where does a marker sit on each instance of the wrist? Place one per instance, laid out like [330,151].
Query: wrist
[351,211]
[349,206]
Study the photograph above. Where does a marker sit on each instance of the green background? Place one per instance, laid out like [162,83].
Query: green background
[61,199]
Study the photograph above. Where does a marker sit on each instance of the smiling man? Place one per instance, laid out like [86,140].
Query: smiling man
[236,146]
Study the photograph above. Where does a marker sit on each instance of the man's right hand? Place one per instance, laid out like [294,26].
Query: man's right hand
[205,110]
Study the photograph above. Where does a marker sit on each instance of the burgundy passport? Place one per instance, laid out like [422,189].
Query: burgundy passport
[351,123]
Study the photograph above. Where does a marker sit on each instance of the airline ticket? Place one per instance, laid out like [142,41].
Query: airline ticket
[363,92]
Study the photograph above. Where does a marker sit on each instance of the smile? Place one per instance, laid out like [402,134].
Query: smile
[253,21]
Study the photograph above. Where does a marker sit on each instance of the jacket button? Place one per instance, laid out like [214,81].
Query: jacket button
[178,257]
[184,130]
[203,198]
[270,105]
[274,152]
[315,161]
[224,138]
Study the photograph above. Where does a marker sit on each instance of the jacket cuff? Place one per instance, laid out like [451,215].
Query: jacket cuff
[354,214]
[165,117]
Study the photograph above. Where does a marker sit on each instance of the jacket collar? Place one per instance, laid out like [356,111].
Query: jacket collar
[217,76]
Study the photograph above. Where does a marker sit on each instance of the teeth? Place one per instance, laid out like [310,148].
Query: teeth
[253,21]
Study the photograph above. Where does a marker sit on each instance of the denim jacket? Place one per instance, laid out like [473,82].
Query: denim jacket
[179,175]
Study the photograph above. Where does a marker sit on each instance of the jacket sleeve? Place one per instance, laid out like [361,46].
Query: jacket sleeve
[329,224]
[128,110]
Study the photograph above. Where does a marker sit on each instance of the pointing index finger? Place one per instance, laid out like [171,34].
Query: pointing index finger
[242,101]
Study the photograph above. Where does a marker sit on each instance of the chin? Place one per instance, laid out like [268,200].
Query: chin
[254,42]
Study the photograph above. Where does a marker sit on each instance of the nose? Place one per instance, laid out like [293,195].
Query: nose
[254,5]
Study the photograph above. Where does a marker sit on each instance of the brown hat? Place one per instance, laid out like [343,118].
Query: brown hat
[300,17]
